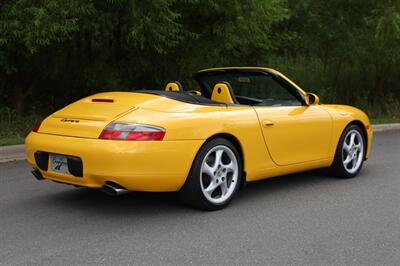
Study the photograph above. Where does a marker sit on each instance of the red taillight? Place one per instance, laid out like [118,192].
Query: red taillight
[36,127]
[125,131]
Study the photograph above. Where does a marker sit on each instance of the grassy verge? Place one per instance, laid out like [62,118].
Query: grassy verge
[11,140]
[14,128]
[378,121]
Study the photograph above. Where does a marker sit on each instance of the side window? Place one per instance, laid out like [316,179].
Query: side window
[266,90]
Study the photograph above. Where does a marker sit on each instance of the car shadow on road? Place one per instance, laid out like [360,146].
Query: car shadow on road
[146,202]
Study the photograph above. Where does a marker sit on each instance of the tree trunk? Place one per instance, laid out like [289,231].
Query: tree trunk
[378,90]
[336,78]
[19,98]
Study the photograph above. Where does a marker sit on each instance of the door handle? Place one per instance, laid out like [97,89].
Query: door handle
[267,123]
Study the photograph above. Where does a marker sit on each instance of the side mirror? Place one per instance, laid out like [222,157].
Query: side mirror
[311,99]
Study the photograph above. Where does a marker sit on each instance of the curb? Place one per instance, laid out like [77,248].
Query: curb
[385,127]
[12,153]
[17,152]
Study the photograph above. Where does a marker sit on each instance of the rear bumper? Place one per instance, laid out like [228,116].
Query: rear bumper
[135,165]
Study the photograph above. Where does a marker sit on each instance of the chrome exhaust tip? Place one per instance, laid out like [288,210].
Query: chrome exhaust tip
[113,189]
[37,174]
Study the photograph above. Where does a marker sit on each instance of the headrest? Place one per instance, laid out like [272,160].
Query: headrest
[223,93]
[174,86]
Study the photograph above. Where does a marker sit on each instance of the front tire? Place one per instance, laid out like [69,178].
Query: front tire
[350,153]
[215,176]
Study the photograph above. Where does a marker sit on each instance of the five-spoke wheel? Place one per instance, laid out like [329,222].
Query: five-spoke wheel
[215,176]
[353,151]
[350,153]
[219,174]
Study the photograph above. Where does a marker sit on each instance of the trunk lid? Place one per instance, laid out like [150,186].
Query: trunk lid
[87,117]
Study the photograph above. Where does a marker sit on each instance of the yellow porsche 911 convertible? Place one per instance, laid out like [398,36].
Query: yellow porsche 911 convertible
[236,125]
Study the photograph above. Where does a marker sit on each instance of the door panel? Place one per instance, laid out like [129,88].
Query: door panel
[295,134]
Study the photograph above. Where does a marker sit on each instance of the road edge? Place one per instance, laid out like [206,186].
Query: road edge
[12,153]
[385,127]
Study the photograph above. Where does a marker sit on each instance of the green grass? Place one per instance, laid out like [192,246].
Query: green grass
[11,140]
[377,121]
[14,128]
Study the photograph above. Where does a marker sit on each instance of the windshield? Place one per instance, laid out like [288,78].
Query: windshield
[252,88]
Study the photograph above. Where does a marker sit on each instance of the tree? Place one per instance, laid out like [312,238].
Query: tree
[61,50]
[26,29]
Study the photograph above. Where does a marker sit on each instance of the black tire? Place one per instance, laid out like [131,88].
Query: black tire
[191,193]
[338,169]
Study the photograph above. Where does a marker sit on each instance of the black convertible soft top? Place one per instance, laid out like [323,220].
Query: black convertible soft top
[183,97]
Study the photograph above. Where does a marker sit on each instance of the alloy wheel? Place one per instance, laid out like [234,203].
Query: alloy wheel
[219,174]
[353,151]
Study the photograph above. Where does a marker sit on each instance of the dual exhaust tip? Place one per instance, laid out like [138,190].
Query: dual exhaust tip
[37,174]
[110,188]
[114,189]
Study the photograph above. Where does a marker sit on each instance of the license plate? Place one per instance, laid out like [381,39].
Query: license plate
[59,164]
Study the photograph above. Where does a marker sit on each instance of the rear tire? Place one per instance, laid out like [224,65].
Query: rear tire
[350,153]
[215,176]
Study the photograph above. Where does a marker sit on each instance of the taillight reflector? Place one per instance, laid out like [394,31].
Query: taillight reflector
[36,127]
[126,131]
[138,135]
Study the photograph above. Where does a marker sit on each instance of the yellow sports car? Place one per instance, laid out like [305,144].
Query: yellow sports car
[235,125]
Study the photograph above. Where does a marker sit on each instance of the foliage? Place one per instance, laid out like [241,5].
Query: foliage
[14,128]
[377,121]
[55,51]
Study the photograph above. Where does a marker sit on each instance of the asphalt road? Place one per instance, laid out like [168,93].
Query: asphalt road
[307,218]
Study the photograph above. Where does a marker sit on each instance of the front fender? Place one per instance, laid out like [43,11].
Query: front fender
[343,116]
